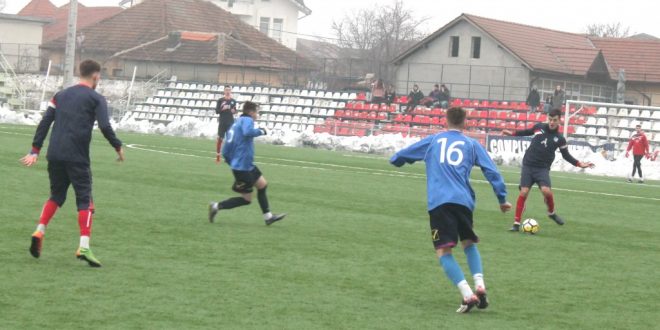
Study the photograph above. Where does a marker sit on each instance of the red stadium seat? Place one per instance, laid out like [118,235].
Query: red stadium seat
[492,114]
[339,113]
[522,116]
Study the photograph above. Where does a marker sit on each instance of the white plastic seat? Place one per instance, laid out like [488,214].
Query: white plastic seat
[279,118]
[623,123]
[312,94]
[614,132]
[296,92]
[625,134]
[591,131]
[193,86]
[645,114]
[323,112]
[656,138]
[286,126]
[160,93]
[243,89]
[307,111]
[330,113]
[344,96]
[309,102]
[602,122]
[315,112]
[304,93]
[656,126]
[591,121]
[336,95]
[295,119]
[634,113]
[278,126]
[250,90]
[581,130]
[288,92]
[602,111]
[623,112]
[304,120]
[311,121]
[634,123]
[170,102]
[295,127]
[655,114]
[352,96]
[328,95]
[287,118]
[298,110]
[611,112]
[300,102]
[647,125]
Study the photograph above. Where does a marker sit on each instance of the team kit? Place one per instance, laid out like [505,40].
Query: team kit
[449,157]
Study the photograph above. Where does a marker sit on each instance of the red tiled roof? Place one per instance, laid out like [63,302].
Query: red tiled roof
[639,58]
[203,48]
[86,17]
[38,8]
[60,16]
[535,45]
[153,19]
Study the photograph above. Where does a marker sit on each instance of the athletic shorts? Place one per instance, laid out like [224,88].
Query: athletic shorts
[224,125]
[531,175]
[451,223]
[245,180]
[64,174]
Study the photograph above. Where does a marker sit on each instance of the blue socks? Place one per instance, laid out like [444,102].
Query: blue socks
[474,259]
[452,269]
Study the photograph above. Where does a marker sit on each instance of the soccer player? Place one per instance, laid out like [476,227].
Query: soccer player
[226,108]
[73,112]
[449,158]
[238,152]
[537,161]
[640,147]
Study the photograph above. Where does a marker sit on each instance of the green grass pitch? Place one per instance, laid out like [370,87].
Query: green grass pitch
[353,253]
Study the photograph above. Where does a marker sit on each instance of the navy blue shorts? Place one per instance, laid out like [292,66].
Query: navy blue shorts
[449,223]
[531,175]
[64,174]
[245,180]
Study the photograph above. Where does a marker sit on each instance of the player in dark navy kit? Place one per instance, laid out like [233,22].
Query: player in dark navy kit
[450,157]
[226,108]
[72,112]
[537,161]
[238,152]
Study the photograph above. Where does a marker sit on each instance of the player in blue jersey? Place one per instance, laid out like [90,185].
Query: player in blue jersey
[72,112]
[238,152]
[449,158]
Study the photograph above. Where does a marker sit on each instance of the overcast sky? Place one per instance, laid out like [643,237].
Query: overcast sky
[565,15]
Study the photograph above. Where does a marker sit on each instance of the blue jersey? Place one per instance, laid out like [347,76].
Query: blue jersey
[238,150]
[449,158]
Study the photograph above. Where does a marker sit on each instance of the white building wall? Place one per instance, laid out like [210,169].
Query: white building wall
[20,42]
[251,12]
[495,75]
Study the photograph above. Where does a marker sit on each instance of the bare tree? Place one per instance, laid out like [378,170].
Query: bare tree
[378,34]
[609,30]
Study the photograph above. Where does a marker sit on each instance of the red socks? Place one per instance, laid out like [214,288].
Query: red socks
[48,212]
[550,202]
[85,222]
[520,208]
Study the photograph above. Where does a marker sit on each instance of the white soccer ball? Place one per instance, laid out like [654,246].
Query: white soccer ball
[530,226]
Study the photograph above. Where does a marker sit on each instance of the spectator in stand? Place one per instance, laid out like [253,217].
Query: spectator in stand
[434,95]
[378,92]
[390,94]
[414,98]
[445,96]
[640,147]
[533,99]
[558,99]
[548,104]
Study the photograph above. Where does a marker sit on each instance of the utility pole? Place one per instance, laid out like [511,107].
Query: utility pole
[70,53]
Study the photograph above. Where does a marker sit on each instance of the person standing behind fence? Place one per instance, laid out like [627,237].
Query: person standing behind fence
[445,96]
[378,92]
[533,99]
[558,99]
[640,147]
[390,94]
[226,108]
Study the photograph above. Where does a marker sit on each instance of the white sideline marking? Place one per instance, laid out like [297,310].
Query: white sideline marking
[362,170]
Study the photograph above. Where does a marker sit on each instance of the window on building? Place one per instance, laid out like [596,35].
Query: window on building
[264,25]
[453,46]
[476,47]
[278,26]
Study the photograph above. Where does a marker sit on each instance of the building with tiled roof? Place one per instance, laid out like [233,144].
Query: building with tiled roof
[484,58]
[192,39]
[20,38]
[277,19]
[59,16]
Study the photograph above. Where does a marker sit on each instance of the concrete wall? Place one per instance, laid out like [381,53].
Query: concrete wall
[251,12]
[643,94]
[495,75]
[19,42]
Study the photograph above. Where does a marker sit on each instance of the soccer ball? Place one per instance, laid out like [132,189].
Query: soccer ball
[530,226]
